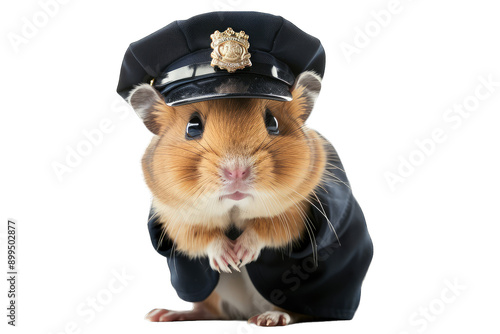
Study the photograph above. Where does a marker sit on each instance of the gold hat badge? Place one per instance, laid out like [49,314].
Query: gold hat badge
[230,50]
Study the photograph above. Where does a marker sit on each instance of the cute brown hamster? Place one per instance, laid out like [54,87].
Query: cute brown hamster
[248,162]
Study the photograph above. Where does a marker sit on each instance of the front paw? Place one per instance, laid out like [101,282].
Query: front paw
[248,247]
[221,255]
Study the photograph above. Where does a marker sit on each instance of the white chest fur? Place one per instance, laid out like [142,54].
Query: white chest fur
[239,298]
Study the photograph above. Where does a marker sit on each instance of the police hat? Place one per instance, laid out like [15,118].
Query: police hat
[220,55]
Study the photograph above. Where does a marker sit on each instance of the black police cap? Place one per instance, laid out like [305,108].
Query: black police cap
[196,59]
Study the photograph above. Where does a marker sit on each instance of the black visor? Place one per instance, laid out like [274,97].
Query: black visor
[193,79]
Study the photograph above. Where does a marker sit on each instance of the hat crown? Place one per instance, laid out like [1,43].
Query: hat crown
[278,49]
[229,34]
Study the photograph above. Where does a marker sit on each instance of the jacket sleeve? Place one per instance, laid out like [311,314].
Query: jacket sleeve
[193,279]
[323,275]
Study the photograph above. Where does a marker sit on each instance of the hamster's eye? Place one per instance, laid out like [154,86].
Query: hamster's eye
[271,123]
[194,128]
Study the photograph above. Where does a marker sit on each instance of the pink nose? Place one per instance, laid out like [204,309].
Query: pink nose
[232,174]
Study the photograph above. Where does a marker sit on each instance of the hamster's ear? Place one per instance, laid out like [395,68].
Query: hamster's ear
[305,90]
[149,104]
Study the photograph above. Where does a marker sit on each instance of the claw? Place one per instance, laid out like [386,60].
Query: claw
[222,256]
[233,264]
[271,318]
[247,248]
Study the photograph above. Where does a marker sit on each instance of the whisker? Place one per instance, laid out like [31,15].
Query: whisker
[322,212]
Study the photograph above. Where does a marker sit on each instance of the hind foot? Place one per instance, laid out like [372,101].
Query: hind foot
[162,315]
[271,318]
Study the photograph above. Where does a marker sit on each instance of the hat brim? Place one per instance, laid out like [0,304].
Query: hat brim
[233,86]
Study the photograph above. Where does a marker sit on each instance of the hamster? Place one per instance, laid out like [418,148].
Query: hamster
[248,164]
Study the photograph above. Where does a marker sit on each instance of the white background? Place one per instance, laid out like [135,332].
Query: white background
[440,225]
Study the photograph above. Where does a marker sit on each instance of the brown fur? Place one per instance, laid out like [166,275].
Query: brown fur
[212,305]
[187,180]
[180,172]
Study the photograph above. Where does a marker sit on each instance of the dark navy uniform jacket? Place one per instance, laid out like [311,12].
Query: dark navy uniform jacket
[326,285]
